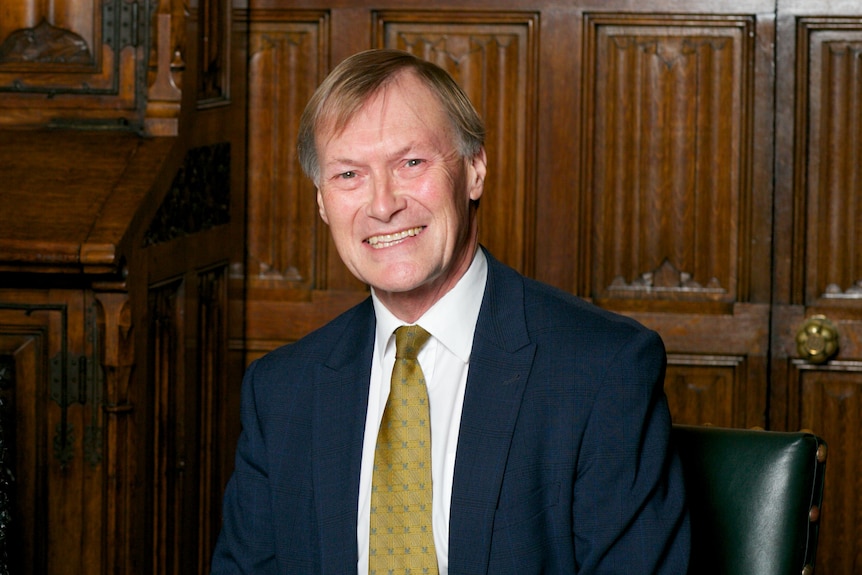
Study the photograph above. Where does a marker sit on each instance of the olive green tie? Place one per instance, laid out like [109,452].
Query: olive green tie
[401,541]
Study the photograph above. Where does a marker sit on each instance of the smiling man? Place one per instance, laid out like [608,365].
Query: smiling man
[517,430]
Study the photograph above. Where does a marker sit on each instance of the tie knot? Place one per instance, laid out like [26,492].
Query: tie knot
[409,339]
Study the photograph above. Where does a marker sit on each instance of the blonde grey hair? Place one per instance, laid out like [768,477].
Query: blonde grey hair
[358,78]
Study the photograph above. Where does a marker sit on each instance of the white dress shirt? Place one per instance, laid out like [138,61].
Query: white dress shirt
[445,360]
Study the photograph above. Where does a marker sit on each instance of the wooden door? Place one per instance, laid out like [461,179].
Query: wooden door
[53,459]
[818,246]
[670,211]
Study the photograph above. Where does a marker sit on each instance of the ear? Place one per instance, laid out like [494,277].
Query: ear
[476,171]
[321,208]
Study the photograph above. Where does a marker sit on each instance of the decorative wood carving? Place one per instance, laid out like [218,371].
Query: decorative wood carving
[51,524]
[668,154]
[830,56]
[211,387]
[167,311]
[45,44]
[214,23]
[287,244]
[78,62]
[665,278]
[74,383]
[164,94]
[494,59]
[199,197]
[116,356]
[188,316]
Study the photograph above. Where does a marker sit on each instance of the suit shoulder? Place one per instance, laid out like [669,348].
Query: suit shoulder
[546,305]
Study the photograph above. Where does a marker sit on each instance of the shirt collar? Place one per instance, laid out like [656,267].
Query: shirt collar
[452,320]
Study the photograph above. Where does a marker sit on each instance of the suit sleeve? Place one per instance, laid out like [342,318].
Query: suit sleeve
[245,544]
[629,504]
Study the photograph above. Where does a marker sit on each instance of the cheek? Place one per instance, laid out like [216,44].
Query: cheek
[336,210]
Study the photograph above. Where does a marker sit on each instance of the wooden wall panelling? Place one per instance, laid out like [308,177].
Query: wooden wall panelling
[7,461]
[705,389]
[184,306]
[676,183]
[117,359]
[23,347]
[831,402]
[213,385]
[818,260]
[189,378]
[72,61]
[833,75]
[287,59]
[214,38]
[56,390]
[670,113]
[494,57]
[167,312]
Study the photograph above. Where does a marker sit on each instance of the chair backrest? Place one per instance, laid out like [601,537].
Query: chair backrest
[754,497]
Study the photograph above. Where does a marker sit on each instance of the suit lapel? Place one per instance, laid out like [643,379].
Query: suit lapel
[499,368]
[341,401]
[500,365]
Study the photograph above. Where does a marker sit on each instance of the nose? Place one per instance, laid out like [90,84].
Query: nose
[386,201]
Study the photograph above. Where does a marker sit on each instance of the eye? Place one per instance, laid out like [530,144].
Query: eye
[414,162]
[347,175]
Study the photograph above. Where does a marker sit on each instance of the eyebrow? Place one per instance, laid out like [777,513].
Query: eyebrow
[404,151]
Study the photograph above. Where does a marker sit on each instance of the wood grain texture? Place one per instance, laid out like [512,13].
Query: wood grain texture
[668,155]
[286,57]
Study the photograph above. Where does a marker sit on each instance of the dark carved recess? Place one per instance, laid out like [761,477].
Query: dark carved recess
[7,462]
[45,44]
[199,198]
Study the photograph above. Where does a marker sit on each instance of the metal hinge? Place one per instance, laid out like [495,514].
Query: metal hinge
[69,380]
[120,24]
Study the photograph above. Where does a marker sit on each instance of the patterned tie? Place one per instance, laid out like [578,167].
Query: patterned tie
[401,539]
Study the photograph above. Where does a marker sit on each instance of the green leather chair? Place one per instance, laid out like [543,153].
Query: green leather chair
[754,498]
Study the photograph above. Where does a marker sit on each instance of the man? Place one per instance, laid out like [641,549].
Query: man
[549,429]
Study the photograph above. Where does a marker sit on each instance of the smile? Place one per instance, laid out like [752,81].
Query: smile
[387,240]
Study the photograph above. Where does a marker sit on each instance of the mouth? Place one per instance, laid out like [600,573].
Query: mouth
[388,240]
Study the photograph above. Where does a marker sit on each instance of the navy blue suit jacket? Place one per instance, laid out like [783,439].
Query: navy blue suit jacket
[563,462]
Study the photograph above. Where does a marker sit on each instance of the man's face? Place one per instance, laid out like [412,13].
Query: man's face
[396,195]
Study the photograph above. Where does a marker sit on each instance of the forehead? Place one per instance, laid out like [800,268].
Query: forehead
[403,100]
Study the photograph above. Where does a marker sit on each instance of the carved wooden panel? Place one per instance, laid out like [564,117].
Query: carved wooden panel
[830,54]
[668,118]
[167,311]
[207,410]
[494,59]
[24,371]
[213,54]
[833,407]
[703,389]
[286,240]
[56,390]
[818,260]
[188,350]
[68,60]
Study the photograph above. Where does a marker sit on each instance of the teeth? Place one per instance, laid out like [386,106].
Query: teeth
[387,239]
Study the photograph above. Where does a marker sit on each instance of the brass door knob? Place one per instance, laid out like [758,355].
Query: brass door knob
[817,339]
